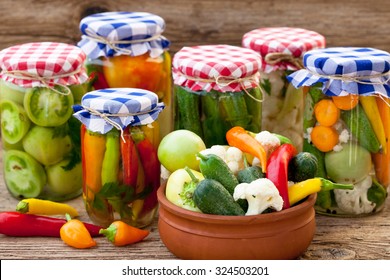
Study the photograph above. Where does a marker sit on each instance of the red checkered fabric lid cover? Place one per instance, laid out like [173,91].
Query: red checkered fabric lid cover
[43,64]
[216,67]
[286,40]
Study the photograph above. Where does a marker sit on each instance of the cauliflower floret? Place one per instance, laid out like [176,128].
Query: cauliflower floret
[232,156]
[261,194]
[268,140]
[355,201]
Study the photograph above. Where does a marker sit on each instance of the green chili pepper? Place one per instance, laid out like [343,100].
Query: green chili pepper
[110,167]
[377,193]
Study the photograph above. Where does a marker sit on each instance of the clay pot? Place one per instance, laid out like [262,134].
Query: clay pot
[279,235]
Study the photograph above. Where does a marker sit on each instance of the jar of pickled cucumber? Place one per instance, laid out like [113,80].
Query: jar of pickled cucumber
[281,49]
[216,87]
[119,140]
[39,84]
[127,49]
[348,126]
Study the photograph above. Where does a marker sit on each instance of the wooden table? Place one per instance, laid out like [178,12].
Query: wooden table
[335,238]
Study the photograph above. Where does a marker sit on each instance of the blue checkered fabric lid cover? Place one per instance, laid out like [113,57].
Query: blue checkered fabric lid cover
[122,33]
[121,106]
[345,70]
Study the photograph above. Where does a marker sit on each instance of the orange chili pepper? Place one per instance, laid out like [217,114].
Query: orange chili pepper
[121,234]
[238,137]
[75,234]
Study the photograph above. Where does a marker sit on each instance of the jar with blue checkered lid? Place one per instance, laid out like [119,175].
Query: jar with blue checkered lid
[121,170]
[39,84]
[281,50]
[216,87]
[347,126]
[127,49]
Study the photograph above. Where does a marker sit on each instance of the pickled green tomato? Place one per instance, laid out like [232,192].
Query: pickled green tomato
[14,121]
[64,182]
[23,175]
[46,107]
[46,144]
[12,92]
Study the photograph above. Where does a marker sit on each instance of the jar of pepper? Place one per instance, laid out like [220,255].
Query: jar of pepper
[348,127]
[281,50]
[127,49]
[216,87]
[40,82]
[121,171]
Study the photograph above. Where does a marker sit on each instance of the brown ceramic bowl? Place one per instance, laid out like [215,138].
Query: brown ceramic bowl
[279,235]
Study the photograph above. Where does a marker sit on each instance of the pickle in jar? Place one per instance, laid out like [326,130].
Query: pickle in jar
[14,121]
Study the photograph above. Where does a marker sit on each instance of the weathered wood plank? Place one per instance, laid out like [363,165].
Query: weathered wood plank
[347,23]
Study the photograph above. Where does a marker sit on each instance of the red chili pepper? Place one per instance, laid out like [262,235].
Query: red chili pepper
[129,160]
[19,224]
[99,81]
[151,164]
[277,170]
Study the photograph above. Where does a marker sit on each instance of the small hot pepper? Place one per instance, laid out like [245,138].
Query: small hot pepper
[75,234]
[45,207]
[238,137]
[305,188]
[121,234]
[277,169]
[19,224]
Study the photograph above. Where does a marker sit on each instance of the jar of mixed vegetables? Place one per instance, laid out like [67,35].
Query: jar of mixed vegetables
[127,49]
[216,87]
[40,82]
[348,125]
[281,49]
[121,170]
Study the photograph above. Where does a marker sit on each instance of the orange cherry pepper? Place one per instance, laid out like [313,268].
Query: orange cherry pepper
[75,234]
[121,234]
[238,137]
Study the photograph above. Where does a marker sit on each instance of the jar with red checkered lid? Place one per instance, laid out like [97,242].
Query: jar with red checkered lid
[39,84]
[281,50]
[216,87]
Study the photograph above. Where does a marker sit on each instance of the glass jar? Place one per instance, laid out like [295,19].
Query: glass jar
[215,88]
[40,82]
[119,140]
[281,49]
[126,49]
[347,126]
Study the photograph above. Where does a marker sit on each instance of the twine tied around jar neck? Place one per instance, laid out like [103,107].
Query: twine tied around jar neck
[24,75]
[226,81]
[113,44]
[277,57]
[357,79]
[106,117]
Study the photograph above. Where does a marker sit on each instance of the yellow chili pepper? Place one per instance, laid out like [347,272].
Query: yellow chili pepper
[300,190]
[75,234]
[45,207]
[371,109]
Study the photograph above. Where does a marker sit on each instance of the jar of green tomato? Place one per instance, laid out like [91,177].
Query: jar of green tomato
[281,50]
[119,140]
[348,128]
[216,87]
[128,49]
[40,82]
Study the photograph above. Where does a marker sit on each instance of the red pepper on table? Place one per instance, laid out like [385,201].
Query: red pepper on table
[151,164]
[277,170]
[19,224]
[129,160]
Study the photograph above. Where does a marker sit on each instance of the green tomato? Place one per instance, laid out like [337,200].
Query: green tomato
[350,165]
[46,144]
[14,121]
[24,176]
[175,186]
[178,149]
[78,91]
[46,107]
[63,182]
